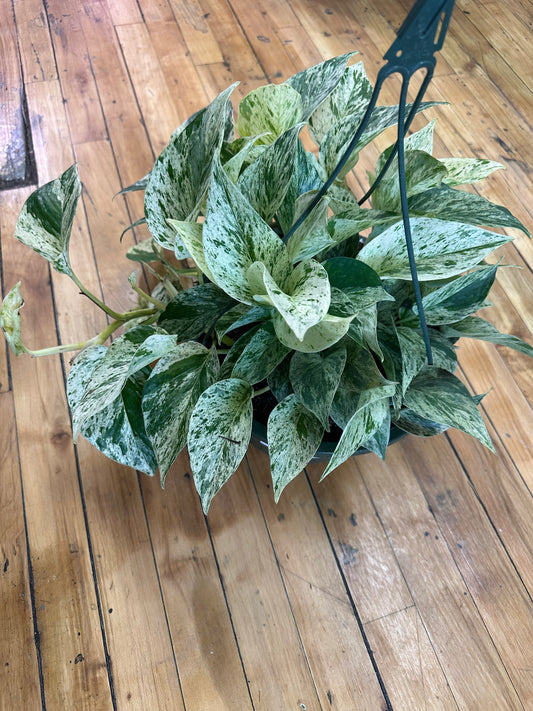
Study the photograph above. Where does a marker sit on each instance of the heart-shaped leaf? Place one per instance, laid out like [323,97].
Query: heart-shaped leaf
[10,319]
[269,111]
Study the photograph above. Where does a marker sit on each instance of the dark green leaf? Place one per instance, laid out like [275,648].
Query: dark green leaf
[478,328]
[194,311]
[261,355]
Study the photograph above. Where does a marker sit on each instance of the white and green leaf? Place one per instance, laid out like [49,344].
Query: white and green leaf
[45,221]
[294,435]
[170,394]
[219,434]
[194,311]
[261,355]
[189,235]
[269,111]
[478,328]
[235,236]
[439,396]
[441,248]
[468,170]
[10,319]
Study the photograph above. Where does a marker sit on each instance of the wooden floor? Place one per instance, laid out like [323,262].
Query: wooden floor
[402,585]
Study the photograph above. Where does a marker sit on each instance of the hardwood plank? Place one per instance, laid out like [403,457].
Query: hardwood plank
[36,52]
[207,655]
[4,368]
[508,411]
[131,147]
[157,108]
[124,12]
[340,664]
[83,108]
[330,29]
[299,46]
[463,646]
[408,662]
[181,76]
[197,32]
[492,580]
[19,674]
[156,11]
[74,665]
[274,661]
[12,139]
[111,493]
[375,580]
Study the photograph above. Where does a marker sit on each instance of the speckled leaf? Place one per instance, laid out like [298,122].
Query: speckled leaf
[422,172]
[338,137]
[189,235]
[306,298]
[144,252]
[410,422]
[360,375]
[364,423]
[234,353]
[127,354]
[294,434]
[262,354]
[305,179]
[343,227]
[325,334]
[367,322]
[357,280]
[312,236]
[468,170]
[234,155]
[45,221]
[219,434]
[279,381]
[10,319]
[315,378]
[460,206]
[170,394]
[268,111]
[235,236]
[134,187]
[478,328]
[241,316]
[379,441]
[265,182]
[460,297]
[195,310]
[413,353]
[180,176]
[442,249]
[118,429]
[439,396]
[316,83]
[350,97]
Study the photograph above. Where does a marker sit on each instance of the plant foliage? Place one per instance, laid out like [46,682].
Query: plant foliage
[326,320]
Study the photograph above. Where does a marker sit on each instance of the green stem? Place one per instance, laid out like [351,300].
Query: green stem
[97,340]
[261,391]
[160,305]
[126,316]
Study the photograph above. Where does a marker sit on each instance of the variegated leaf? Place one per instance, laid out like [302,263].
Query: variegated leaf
[235,352]
[278,381]
[294,434]
[265,182]
[305,300]
[316,83]
[235,319]
[468,170]
[305,179]
[364,423]
[234,155]
[348,225]
[195,310]
[45,221]
[180,176]
[170,394]
[219,434]
[357,280]
[379,441]
[269,111]
[442,249]
[459,298]
[478,328]
[367,322]
[360,375]
[422,172]
[315,378]
[261,355]
[235,236]
[319,337]
[118,429]
[127,354]
[312,236]
[189,235]
[410,422]
[350,97]
[441,397]
[144,252]
[460,206]
[10,319]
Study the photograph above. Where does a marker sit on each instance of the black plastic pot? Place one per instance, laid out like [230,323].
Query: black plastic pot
[327,447]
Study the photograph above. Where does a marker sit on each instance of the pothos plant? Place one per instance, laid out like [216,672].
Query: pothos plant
[325,320]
